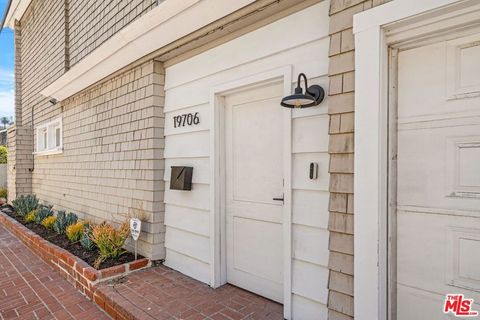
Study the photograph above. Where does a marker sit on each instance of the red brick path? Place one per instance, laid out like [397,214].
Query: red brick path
[161,293]
[31,289]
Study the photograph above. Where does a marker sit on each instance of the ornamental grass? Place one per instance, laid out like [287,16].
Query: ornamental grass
[75,231]
[109,240]
[48,222]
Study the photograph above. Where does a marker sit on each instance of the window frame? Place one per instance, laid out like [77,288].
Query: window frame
[44,133]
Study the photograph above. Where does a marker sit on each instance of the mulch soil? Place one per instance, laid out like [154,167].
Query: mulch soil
[73,247]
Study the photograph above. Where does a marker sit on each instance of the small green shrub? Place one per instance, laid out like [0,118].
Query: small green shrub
[86,240]
[3,193]
[42,213]
[25,204]
[3,154]
[30,217]
[75,231]
[49,221]
[109,240]
[63,221]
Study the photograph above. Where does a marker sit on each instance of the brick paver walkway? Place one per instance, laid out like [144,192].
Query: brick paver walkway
[161,293]
[30,288]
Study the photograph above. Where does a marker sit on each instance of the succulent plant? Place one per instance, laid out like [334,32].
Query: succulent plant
[25,204]
[86,240]
[63,221]
[42,213]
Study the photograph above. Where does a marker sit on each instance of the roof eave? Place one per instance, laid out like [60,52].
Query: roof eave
[15,10]
[4,18]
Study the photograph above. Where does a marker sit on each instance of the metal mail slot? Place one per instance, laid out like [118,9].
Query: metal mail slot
[181,178]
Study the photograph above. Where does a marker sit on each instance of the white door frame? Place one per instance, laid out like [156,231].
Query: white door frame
[218,266]
[405,23]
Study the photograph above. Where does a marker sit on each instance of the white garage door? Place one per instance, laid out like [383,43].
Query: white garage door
[438,209]
[254,153]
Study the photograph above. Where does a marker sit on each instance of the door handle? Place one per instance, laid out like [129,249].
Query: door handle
[279,199]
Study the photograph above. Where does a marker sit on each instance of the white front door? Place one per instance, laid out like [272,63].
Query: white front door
[438,199]
[254,189]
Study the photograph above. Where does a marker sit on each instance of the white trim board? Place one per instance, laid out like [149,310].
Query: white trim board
[16,12]
[169,21]
[218,275]
[376,30]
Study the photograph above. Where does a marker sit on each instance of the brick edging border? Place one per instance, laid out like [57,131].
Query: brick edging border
[76,271]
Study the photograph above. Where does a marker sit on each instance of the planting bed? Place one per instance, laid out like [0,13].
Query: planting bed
[75,248]
[80,274]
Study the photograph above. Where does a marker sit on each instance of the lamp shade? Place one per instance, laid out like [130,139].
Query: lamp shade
[313,95]
[298,101]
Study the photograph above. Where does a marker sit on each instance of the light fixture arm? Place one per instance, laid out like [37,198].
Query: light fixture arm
[313,95]
[299,80]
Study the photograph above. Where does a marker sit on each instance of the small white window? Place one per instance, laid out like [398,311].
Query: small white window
[49,138]
[57,137]
[44,139]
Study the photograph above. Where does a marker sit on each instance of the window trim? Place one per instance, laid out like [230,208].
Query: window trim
[47,128]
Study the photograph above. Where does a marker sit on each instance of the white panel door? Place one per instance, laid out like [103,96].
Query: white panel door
[254,178]
[438,200]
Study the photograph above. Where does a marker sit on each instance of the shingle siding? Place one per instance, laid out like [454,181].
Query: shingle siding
[20,161]
[42,55]
[112,163]
[341,149]
[92,22]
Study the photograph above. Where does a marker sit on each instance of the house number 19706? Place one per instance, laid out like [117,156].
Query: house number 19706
[186,119]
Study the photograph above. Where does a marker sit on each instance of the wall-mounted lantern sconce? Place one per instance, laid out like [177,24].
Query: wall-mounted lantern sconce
[313,96]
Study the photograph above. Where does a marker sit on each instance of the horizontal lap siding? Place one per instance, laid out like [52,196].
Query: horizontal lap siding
[188,87]
[310,210]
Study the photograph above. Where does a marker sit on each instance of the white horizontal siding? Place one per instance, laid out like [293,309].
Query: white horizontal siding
[188,219]
[203,116]
[300,173]
[309,244]
[201,173]
[189,244]
[309,281]
[198,92]
[310,208]
[198,198]
[310,134]
[187,145]
[306,309]
[185,264]
[313,23]
[188,90]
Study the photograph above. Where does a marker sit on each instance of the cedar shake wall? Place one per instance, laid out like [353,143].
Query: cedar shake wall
[341,149]
[18,72]
[58,33]
[92,22]
[19,138]
[20,161]
[112,162]
[42,58]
